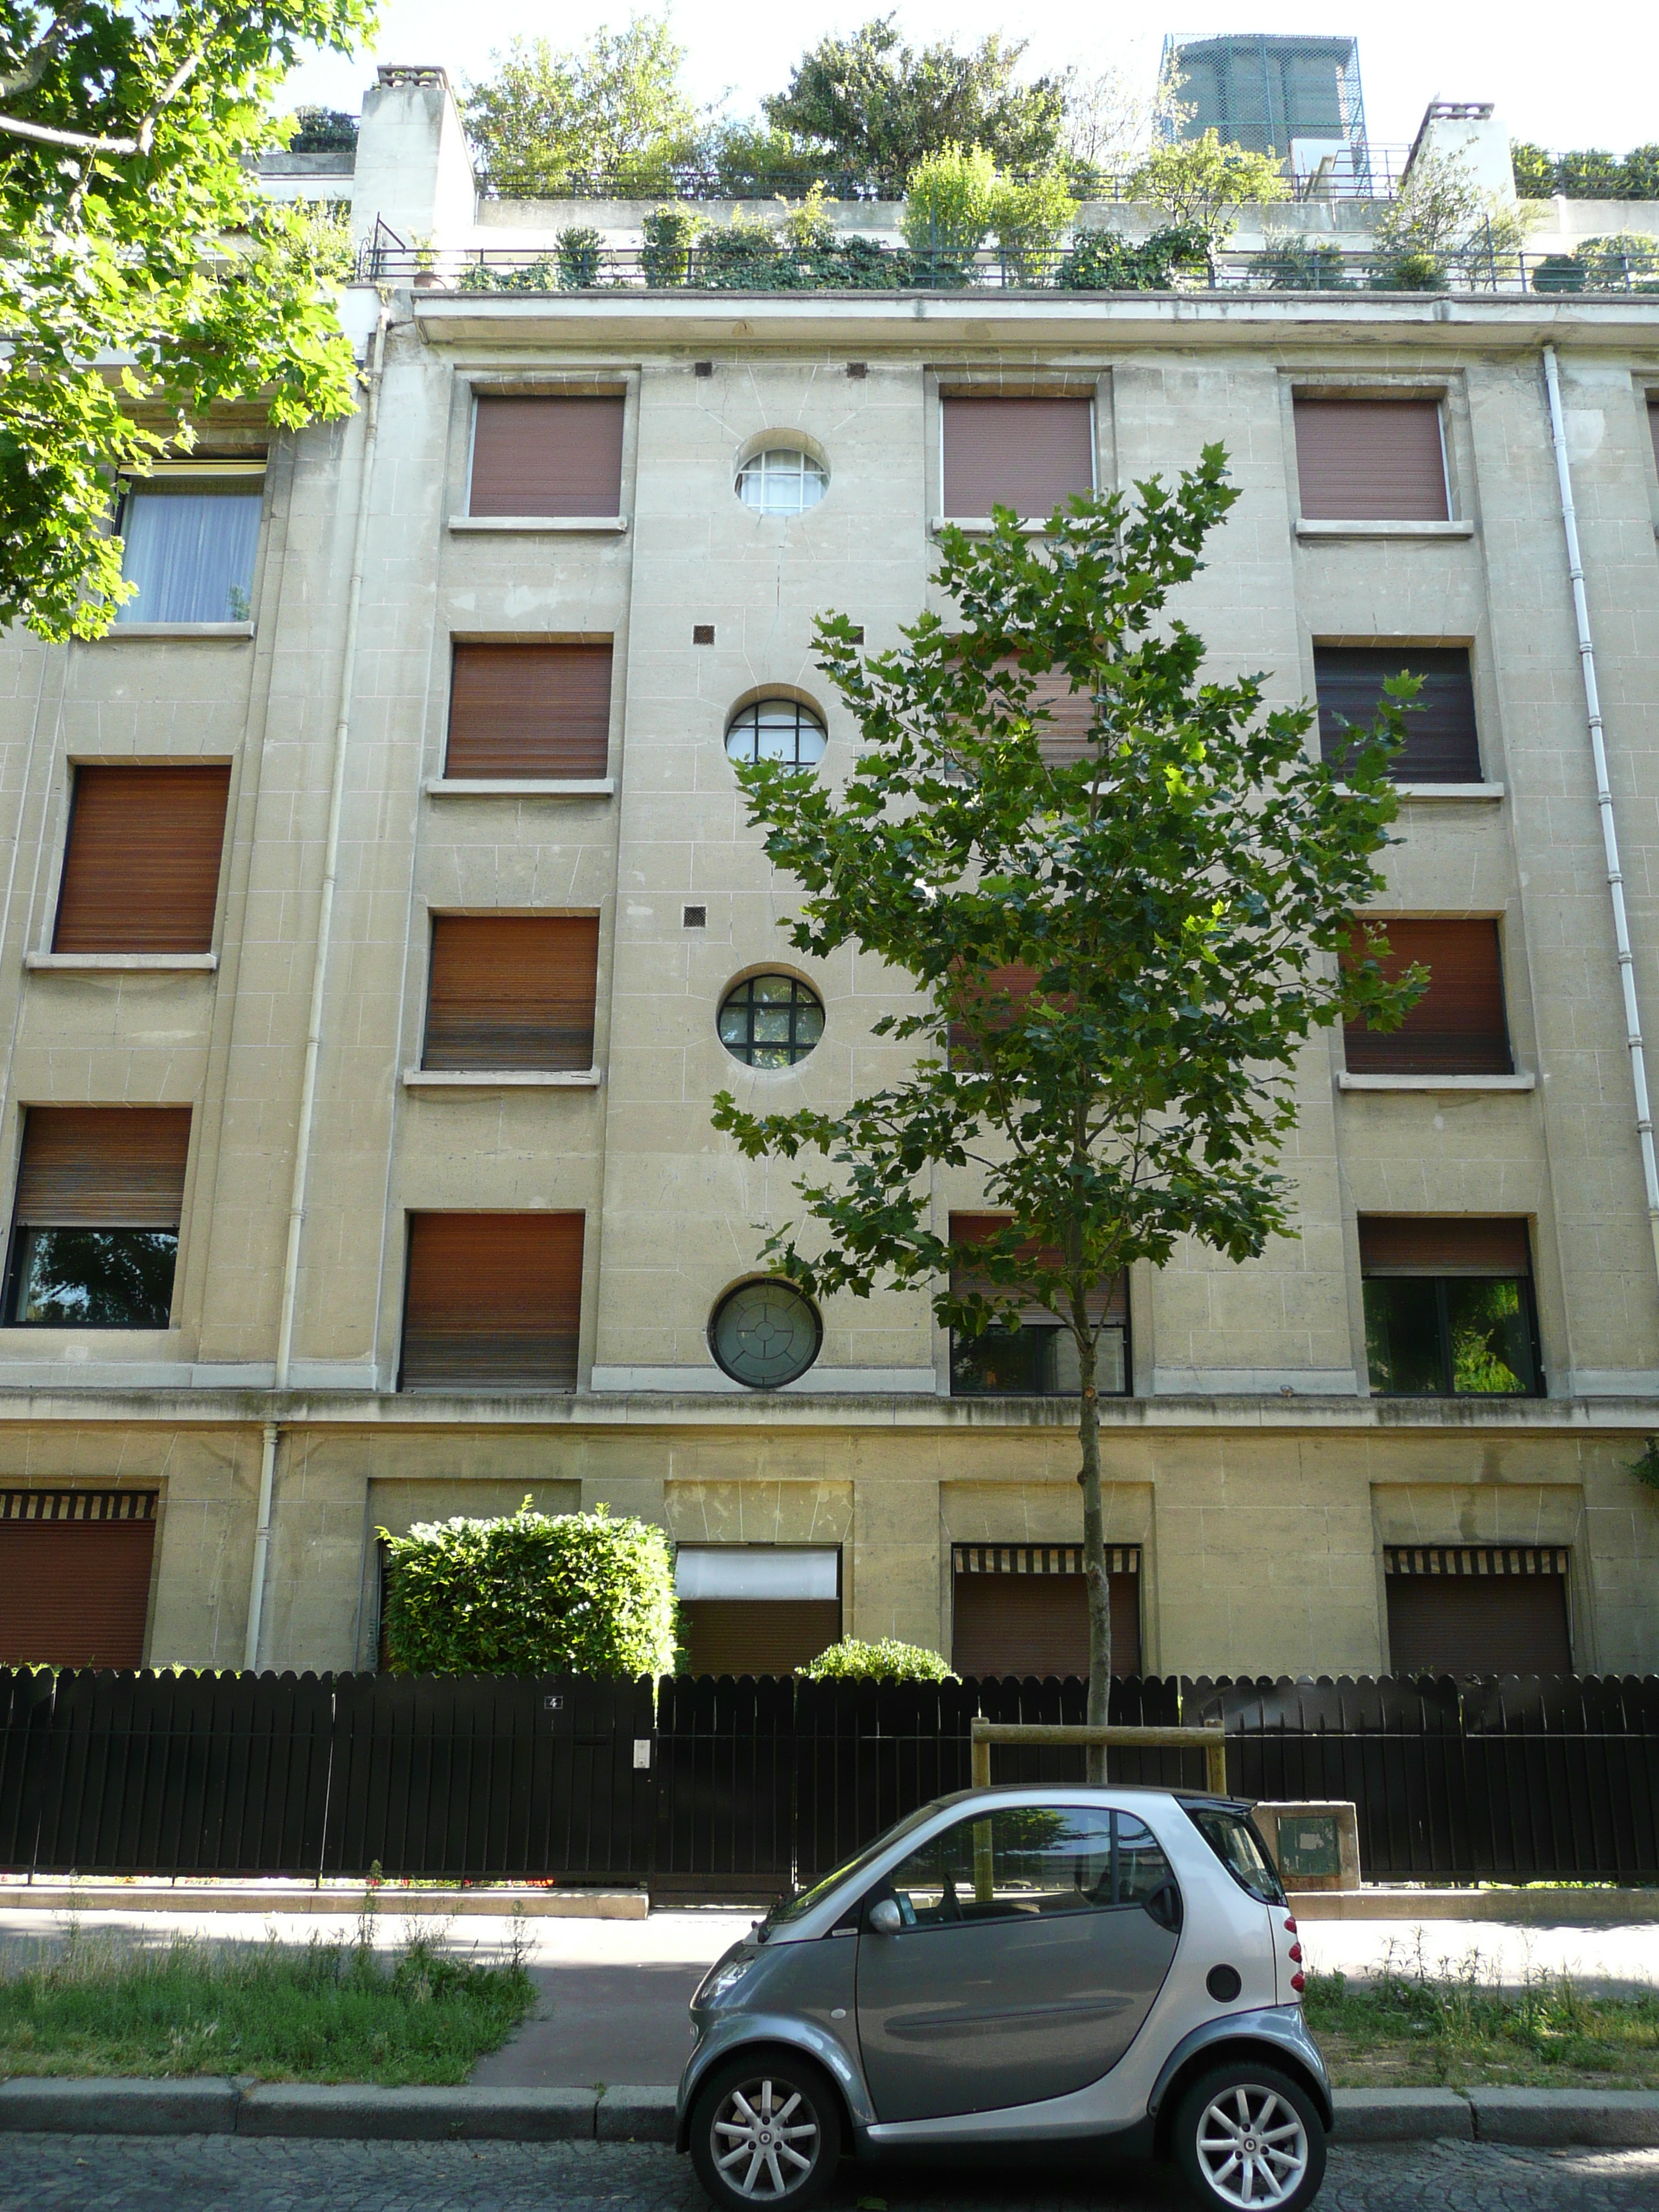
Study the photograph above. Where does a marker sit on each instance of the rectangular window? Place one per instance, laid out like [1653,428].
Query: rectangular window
[1370,461]
[1029,454]
[1449,1307]
[509,991]
[1035,1357]
[547,458]
[532,712]
[492,1302]
[1023,1609]
[75,1572]
[141,864]
[1457,1027]
[1024,1865]
[1483,1609]
[1440,743]
[756,1609]
[189,543]
[95,1227]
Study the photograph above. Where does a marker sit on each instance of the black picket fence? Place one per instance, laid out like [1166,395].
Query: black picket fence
[753,1786]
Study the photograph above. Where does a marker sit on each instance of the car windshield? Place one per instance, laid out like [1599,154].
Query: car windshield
[791,1908]
[1233,1838]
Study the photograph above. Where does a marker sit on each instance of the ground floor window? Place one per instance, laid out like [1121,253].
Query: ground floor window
[1031,1356]
[74,1568]
[1023,1609]
[756,1609]
[1499,1609]
[1448,1308]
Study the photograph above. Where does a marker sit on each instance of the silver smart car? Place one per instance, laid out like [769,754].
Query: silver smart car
[1114,1968]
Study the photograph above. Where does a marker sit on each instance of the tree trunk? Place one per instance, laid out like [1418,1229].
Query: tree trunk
[1094,1556]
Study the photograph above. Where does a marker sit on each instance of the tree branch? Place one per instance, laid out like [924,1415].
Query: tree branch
[48,136]
[26,79]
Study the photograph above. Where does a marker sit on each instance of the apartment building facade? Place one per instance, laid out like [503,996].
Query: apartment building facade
[381,917]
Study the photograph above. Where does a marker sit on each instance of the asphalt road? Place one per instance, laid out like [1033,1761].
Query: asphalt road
[203,2173]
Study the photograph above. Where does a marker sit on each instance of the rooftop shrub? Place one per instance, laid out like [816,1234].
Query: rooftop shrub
[888,1661]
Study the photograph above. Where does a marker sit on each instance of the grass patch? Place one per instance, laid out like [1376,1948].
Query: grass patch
[1414,2027]
[331,2011]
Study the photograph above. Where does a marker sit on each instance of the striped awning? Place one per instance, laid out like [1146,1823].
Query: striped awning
[77,1504]
[1475,1559]
[1038,1559]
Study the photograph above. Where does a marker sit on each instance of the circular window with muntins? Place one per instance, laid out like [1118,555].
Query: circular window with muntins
[765,1334]
[776,729]
[771,1021]
[782,480]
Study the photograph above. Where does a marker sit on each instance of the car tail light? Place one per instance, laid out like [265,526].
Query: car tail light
[1296,1953]
[1290,1927]
[1298,1983]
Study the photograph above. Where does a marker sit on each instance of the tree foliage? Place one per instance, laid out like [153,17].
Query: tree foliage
[888,1661]
[1201,184]
[1588,173]
[131,230]
[1440,216]
[614,108]
[876,107]
[1179,896]
[955,198]
[531,1594]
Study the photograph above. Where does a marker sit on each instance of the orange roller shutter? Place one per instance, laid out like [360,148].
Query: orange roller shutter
[532,711]
[492,1301]
[1443,1244]
[75,1576]
[103,1167]
[1457,1027]
[1029,454]
[550,457]
[1370,461]
[141,868]
[512,991]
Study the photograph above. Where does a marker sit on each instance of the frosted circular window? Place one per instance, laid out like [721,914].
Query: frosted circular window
[771,1021]
[765,1335]
[776,729]
[782,480]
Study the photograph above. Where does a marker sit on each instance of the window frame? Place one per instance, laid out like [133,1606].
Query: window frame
[799,985]
[130,486]
[1379,392]
[949,389]
[802,713]
[811,465]
[1438,1283]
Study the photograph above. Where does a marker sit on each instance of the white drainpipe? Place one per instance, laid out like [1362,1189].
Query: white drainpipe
[1638,1069]
[297,1210]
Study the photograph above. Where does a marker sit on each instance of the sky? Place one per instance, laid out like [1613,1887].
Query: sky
[1560,76]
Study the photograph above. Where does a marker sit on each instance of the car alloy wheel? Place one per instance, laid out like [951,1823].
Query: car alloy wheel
[766,2134]
[1252,2145]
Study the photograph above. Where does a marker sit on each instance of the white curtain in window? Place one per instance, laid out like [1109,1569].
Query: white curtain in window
[189,550]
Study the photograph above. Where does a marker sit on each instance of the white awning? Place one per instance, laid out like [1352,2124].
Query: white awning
[758,1570]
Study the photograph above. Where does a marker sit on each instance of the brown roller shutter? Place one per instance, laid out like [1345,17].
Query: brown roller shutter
[1029,454]
[103,1167]
[1441,742]
[1496,1611]
[1443,1244]
[511,991]
[529,711]
[1370,461]
[547,456]
[141,868]
[1017,978]
[493,1300]
[1457,1026]
[1022,1623]
[1110,1303]
[756,1636]
[75,1573]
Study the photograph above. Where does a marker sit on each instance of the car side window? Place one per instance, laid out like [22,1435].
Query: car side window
[1031,1860]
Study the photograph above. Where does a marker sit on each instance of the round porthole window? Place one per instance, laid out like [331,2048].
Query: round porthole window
[771,1021]
[765,1335]
[782,480]
[776,729]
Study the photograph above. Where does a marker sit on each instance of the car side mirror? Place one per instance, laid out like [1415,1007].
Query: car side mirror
[885,1918]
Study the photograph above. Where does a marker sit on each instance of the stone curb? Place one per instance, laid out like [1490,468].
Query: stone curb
[386,1903]
[1614,2119]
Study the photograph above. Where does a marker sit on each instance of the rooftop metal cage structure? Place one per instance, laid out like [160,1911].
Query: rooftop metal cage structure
[1296,96]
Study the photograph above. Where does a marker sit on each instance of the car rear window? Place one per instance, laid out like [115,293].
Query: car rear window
[1234,1839]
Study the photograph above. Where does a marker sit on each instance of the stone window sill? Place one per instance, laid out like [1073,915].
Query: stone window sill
[1308,528]
[1346,1082]
[1433,794]
[981,525]
[570,525]
[445,787]
[506,1079]
[120,631]
[72,964]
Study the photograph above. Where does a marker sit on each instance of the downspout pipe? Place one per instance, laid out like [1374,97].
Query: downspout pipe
[1638,1069]
[296,1210]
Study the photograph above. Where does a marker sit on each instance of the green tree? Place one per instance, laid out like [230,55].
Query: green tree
[613,108]
[1201,184]
[131,228]
[1440,217]
[1180,894]
[877,107]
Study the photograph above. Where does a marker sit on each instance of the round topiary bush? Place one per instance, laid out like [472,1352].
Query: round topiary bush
[850,1661]
[531,1594]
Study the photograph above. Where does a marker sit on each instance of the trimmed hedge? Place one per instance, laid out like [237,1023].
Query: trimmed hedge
[531,1594]
[889,1661]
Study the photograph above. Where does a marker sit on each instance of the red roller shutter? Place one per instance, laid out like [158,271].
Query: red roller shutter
[1029,454]
[547,456]
[1443,1244]
[529,711]
[1457,1027]
[1370,461]
[1023,1609]
[512,991]
[141,866]
[493,1300]
[74,1574]
[103,1167]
